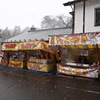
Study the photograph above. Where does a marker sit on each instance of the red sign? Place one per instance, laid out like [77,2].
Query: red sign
[10,45]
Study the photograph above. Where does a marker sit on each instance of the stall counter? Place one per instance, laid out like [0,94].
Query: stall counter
[18,64]
[91,72]
[40,67]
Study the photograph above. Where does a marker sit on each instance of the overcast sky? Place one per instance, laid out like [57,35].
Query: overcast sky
[25,13]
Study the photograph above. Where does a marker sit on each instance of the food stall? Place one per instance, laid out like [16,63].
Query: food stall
[40,56]
[1,56]
[12,56]
[2,62]
[80,54]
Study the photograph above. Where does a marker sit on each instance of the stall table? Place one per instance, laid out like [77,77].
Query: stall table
[78,70]
[40,67]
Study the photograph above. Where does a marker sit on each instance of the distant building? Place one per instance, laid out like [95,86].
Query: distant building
[33,35]
[86,15]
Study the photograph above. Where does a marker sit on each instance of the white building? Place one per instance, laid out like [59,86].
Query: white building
[86,15]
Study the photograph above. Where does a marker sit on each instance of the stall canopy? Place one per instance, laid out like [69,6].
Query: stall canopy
[35,45]
[80,40]
[32,45]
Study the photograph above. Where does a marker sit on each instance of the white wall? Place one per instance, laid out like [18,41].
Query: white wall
[78,26]
[89,17]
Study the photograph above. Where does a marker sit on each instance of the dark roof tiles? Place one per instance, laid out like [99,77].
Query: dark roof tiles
[40,34]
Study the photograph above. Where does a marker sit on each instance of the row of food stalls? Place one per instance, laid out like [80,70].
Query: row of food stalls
[34,55]
[75,55]
[80,54]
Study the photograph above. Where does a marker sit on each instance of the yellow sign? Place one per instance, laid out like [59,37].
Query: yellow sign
[18,64]
[10,46]
[35,45]
[29,45]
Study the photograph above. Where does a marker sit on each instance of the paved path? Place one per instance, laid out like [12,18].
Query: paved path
[23,85]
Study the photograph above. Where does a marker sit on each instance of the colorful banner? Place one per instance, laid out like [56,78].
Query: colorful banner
[29,45]
[40,67]
[75,39]
[45,47]
[17,64]
[10,46]
[86,72]
[35,45]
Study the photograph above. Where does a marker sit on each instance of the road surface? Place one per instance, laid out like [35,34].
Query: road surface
[23,85]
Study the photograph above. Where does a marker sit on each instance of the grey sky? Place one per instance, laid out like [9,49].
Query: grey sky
[29,12]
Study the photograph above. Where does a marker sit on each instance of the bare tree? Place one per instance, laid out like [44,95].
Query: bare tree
[17,30]
[5,34]
[64,21]
[56,22]
[0,35]
[26,29]
[48,22]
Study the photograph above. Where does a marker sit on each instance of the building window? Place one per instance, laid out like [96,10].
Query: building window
[97,17]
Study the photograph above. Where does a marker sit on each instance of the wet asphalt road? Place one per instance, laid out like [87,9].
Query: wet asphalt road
[23,85]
